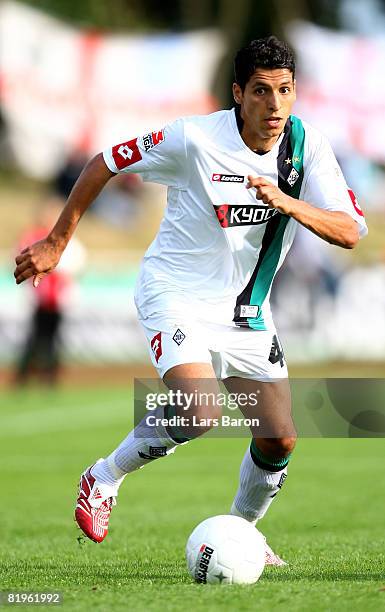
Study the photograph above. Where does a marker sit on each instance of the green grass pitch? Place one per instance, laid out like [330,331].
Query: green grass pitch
[328,521]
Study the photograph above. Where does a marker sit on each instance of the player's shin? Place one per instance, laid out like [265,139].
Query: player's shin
[145,443]
[261,478]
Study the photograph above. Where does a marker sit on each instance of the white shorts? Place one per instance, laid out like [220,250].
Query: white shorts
[174,339]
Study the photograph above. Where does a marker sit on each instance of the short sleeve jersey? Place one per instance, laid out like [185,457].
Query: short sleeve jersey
[216,242]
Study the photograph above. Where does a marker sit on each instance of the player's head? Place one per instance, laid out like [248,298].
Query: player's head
[264,89]
[269,53]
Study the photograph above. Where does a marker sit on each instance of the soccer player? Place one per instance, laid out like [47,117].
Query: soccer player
[239,182]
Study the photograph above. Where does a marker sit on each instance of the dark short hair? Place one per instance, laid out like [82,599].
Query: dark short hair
[262,53]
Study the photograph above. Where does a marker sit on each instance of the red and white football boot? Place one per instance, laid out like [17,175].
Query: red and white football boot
[93,506]
[271,558]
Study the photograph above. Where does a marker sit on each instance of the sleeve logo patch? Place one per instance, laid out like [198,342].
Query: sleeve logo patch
[126,154]
[152,139]
[356,205]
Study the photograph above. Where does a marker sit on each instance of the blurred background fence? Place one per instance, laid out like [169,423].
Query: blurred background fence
[75,77]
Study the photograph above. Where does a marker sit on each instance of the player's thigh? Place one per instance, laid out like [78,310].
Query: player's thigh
[195,389]
[179,351]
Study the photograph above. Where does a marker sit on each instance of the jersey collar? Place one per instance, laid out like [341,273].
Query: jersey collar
[237,123]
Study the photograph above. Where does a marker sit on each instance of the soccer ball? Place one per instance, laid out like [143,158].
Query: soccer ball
[225,549]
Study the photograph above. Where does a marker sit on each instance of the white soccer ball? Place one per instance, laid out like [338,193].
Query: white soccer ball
[225,549]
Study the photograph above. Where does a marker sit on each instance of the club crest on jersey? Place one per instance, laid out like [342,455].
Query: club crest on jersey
[152,139]
[126,154]
[156,346]
[293,177]
[227,178]
[232,215]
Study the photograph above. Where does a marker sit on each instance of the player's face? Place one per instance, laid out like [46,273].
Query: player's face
[266,104]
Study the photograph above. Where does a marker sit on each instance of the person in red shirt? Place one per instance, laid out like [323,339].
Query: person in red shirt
[40,351]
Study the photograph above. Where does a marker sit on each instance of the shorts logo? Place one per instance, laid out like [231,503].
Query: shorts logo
[227,178]
[126,154]
[231,215]
[356,205]
[276,352]
[152,139]
[293,177]
[178,337]
[156,346]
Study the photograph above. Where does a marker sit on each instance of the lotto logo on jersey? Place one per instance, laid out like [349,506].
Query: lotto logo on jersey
[126,154]
[227,178]
[152,140]
[156,346]
[356,205]
[232,215]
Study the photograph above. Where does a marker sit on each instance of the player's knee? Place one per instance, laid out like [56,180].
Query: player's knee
[283,446]
[277,447]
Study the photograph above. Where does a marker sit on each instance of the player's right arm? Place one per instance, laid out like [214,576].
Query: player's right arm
[43,256]
[159,156]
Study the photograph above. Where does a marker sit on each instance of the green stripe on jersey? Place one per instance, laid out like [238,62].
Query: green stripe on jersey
[268,265]
[297,140]
[266,274]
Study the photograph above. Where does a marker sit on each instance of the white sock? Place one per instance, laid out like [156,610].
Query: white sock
[142,445]
[257,489]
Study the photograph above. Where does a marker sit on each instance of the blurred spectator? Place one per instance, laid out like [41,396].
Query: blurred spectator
[117,203]
[68,174]
[40,352]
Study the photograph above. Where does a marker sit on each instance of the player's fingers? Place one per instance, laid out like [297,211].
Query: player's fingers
[21,257]
[23,265]
[256,181]
[22,276]
[264,193]
[37,279]
[266,199]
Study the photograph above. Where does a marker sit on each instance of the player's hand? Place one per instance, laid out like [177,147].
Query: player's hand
[36,260]
[270,194]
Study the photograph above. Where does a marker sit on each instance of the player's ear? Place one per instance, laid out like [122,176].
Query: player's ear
[237,93]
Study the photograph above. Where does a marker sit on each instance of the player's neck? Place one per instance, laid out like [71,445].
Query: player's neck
[251,139]
[258,145]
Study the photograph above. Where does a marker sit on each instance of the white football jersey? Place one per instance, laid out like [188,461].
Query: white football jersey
[217,244]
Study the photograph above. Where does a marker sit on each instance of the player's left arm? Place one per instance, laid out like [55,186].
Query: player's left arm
[336,227]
